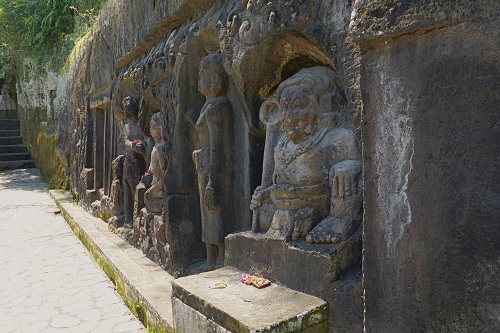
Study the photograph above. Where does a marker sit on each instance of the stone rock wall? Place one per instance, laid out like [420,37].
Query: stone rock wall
[429,83]
[42,111]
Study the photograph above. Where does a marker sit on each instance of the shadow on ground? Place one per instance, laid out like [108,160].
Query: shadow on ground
[22,179]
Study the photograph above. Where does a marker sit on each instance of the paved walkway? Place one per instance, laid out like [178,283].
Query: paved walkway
[48,281]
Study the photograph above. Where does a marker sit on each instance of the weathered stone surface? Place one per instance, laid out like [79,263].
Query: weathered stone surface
[243,308]
[311,170]
[190,320]
[310,268]
[431,139]
[214,160]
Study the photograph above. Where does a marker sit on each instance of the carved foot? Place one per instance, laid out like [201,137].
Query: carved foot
[332,230]
[304,221]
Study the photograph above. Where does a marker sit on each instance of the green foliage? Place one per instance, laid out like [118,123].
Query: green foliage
[44,30]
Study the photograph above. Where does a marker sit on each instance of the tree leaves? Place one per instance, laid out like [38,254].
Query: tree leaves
[40,28]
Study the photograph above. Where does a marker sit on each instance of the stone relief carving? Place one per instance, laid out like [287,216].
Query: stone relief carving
[135,162]
[314,191]
[149,226]
[260,19]
[213,159]
[153,198]
[116,194]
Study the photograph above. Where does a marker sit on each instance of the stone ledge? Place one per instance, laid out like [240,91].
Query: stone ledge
[144,286]
[242,308]
[309,268]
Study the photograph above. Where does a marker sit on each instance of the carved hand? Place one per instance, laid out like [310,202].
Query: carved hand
[148,194]
[259,195]
[345,178]
[210,197]
[140,147]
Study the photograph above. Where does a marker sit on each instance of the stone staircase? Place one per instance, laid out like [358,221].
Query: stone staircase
[13,154]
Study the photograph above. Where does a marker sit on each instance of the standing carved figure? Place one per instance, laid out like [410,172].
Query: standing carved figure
[213,159]
[314,162]
[135,163]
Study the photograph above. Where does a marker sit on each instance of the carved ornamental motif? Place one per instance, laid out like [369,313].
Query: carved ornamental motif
[260,19]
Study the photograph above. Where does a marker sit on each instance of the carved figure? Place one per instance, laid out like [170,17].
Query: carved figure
[116,194]
[315,164]
[135,162]
[153,198]
[213,159]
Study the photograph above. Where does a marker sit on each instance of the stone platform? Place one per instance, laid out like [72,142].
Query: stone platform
[242,308]
[310,268]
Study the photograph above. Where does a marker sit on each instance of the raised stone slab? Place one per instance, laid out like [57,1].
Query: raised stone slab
[241,308]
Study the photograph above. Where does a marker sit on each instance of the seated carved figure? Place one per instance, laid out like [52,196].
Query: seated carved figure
[311,178]
[153,198]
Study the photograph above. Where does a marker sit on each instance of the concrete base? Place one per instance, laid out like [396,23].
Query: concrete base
[243,308]
[297,265]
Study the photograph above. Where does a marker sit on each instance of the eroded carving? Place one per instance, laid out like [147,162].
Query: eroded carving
[261,19]
[153,198]
[135,163]
[116,194]
[213,159]
[315,188]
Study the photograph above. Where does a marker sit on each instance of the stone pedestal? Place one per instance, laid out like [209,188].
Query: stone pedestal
[197,308]
[310,268]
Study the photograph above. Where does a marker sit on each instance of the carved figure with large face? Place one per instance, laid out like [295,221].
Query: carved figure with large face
[312,155]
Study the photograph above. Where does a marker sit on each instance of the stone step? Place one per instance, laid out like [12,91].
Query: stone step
[11,140]
[8,114]
[9,133]
[238,307]
[19,164]
[9,124]
[15,157]
[11,149]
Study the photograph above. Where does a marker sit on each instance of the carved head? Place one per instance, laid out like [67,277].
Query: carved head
[131,107]
[212,75]
[304,98]
[158,126]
